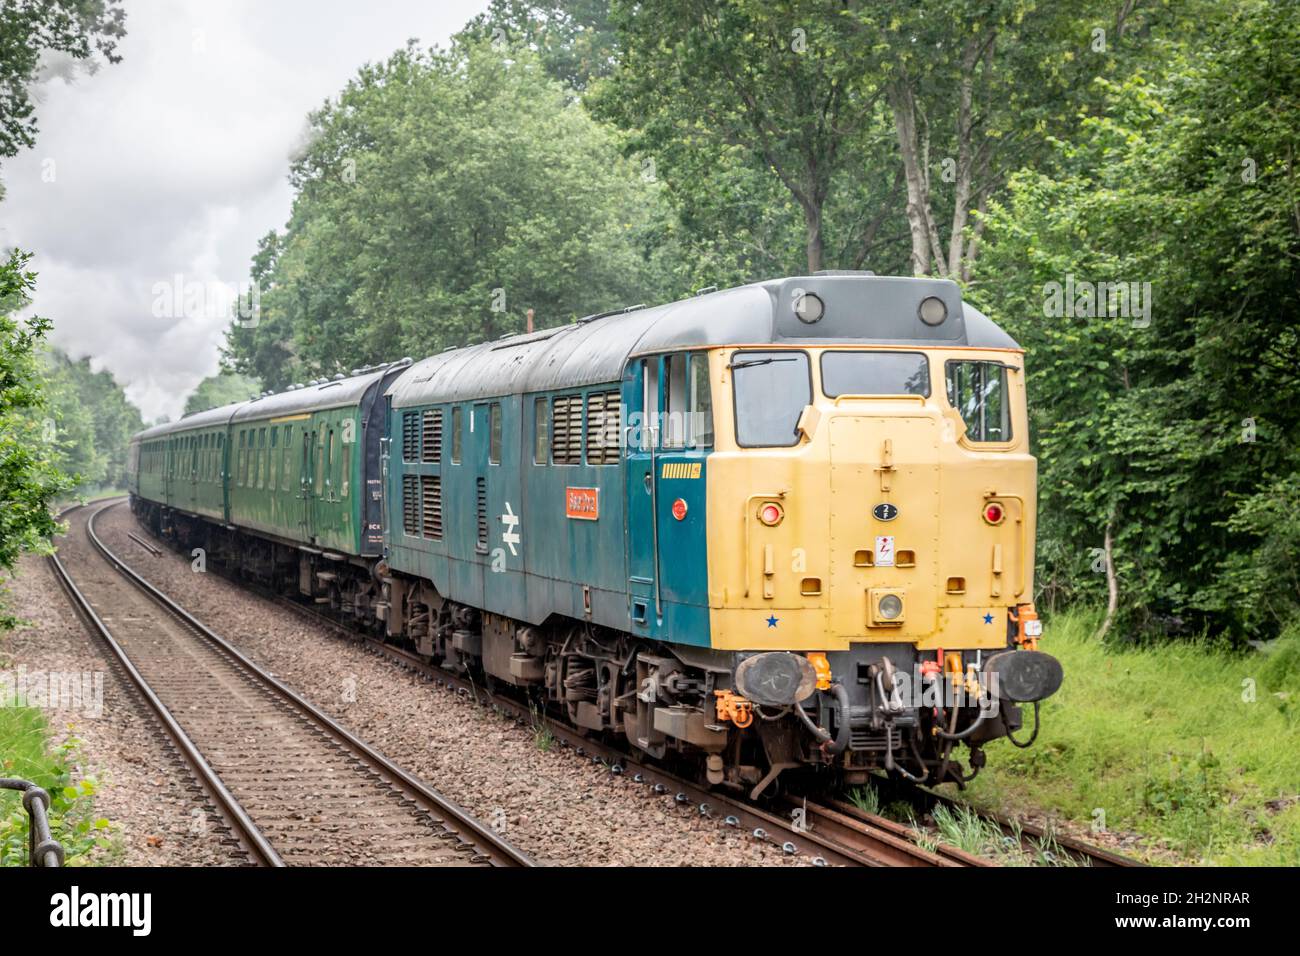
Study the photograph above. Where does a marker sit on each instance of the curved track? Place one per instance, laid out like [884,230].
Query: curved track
[829,831]
[292,786]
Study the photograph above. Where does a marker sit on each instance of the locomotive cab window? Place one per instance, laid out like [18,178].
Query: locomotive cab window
[770,391]
[875,373]
[699,427]
[978,391]
[455,435]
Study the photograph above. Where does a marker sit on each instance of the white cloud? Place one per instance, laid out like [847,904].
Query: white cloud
[174,161]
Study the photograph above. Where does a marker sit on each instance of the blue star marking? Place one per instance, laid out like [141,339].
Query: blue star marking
[771,621]
[988,618]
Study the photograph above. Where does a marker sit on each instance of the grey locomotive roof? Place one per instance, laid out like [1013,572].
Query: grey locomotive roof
[860,308]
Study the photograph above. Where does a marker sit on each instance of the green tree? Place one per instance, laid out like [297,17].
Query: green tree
[82,29]
[29,478]
[221,389]
[573,39]
[889,125]
[93,418]
[1170,445]
[442,195]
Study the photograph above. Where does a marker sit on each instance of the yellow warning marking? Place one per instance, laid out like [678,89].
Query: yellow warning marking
[680,469]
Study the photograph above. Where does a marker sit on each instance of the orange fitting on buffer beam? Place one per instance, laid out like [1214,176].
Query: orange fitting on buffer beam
[734,708]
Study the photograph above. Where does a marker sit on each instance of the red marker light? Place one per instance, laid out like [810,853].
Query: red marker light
[994,513]
[770,514]
[679,509]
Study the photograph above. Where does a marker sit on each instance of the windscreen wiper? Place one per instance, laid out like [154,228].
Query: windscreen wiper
[750,363]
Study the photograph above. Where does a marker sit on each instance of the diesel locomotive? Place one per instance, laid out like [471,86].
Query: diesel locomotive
[784,527]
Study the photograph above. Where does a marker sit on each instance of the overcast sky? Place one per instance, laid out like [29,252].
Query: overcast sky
[174,162]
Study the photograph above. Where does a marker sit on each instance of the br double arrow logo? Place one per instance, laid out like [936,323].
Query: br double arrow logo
[509,536]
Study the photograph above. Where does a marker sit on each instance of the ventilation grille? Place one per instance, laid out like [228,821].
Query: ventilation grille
[481,495]
[410,436]
[431,506]
[604,424]
[566,431]
[411,504]
[431,435]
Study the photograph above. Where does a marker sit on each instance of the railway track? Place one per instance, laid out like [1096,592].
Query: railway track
[828,831]
[825,835]
[291,786]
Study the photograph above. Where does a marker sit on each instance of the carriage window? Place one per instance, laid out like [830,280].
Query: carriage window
[978,390]
[771,391]
[875,373]
[541,430]
[494,433]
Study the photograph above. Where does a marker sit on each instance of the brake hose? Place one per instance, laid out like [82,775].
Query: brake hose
[1032,737]
[840,742]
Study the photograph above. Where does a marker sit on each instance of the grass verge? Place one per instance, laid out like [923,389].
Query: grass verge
[1193,748]
[25,752]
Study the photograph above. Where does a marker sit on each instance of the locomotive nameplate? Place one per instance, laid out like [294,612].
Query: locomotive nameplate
[885,511]
[582,503]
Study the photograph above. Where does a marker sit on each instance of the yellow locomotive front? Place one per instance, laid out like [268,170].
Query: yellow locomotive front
[871,534]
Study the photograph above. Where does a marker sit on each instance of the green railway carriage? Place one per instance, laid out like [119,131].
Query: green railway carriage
[304,464]
[287,486]
[182,464]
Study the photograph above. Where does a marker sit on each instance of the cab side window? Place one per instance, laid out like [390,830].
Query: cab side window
[685,419]
[978,391]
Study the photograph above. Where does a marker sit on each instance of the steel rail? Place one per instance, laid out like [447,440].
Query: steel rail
[484,846]
[863,848]
[491,846]
[252,840]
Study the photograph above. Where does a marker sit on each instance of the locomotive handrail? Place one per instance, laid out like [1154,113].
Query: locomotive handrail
[907,397]
[42,849]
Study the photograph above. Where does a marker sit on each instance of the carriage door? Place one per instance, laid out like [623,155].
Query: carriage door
[192,485]
[306,439]
[641,399]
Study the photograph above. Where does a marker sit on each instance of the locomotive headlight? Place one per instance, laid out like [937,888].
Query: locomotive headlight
[809,308]
[932,310]
[771,514]
[886,607]
[994,512]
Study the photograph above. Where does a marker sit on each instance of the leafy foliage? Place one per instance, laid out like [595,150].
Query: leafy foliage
[92,421]
[25,753]
[1180,435]
[441,196]
[29,477]
[221,389]
[29,29]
